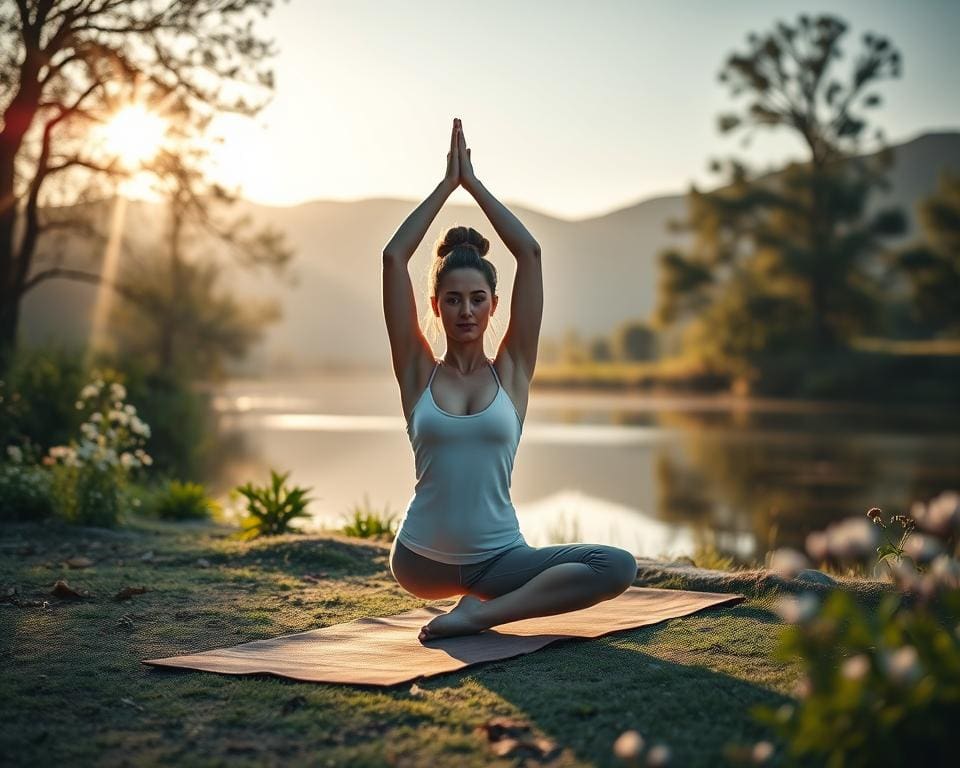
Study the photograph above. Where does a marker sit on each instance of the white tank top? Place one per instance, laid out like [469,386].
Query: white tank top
[460,511]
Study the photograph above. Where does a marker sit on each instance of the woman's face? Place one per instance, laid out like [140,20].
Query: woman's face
[464,304]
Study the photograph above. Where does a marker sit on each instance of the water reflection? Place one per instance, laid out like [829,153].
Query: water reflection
[654,475]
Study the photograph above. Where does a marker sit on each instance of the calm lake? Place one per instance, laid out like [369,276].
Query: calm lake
[650,474]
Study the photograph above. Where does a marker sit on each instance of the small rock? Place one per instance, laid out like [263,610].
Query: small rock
[815,577]
[79,562]
[147,556]
[203,562]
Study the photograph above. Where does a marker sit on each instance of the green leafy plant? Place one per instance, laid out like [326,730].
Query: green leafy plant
[181,501]
[367,523]
[26,493]
[271,508]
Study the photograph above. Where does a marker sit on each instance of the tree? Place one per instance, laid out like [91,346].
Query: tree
[794,243]
[634,340]
[599,351]
[67,65]
[933,266]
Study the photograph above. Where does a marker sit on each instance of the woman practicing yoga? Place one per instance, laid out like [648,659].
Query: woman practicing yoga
[460,534]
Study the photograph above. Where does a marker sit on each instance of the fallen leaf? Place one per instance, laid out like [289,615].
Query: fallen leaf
[79,562]
[416,690]
[127,592]
[513,737]
[62,589]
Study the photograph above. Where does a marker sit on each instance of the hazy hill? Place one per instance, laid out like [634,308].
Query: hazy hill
[598,271]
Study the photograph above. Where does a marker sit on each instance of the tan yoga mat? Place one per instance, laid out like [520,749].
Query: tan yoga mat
[386,651]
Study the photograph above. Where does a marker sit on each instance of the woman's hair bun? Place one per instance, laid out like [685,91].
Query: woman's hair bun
[460,236]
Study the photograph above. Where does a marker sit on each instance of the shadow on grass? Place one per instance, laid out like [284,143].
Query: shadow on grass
[687,682]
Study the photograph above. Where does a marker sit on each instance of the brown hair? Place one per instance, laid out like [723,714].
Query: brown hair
[457,248]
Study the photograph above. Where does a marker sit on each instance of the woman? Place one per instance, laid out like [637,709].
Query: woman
[459,534]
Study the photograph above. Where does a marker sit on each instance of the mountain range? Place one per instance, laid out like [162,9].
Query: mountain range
[598,271]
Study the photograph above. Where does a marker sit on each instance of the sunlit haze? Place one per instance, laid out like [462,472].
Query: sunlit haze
[572,108]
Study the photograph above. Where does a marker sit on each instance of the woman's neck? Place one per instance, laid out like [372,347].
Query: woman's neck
[465,360]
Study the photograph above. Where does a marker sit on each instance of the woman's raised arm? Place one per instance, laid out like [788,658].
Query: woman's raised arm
[407,343]
[526,304]
[406,239]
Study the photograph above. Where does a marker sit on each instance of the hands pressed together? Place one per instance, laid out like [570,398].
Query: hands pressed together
[459,166]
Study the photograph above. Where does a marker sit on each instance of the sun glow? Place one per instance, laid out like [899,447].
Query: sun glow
[134,134]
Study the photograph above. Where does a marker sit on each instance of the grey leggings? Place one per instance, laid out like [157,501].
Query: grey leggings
[615,569]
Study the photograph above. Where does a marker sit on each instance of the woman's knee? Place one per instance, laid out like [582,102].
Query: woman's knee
[622,571]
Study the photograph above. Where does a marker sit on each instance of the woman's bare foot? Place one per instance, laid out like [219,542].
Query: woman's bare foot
[465,618]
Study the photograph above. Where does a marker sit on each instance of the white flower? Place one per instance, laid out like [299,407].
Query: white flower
[128,460]
[129,409]
[118,391]
[139,427]
[787,563]
[91,390]
[853,537]
[940,516]
[921,547]
[97,417]
[121,417]
[628,745]
[946,570]
[797,610]
[855,667]
[902,665]
[816,545]
[15,453]
[658,756]
[762,751]
[78,405]
[89,431]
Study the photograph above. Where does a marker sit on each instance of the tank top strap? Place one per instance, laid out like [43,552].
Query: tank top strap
[494,373]
[436,364]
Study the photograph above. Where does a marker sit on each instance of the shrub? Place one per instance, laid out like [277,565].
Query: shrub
[881,685]
[181,501]
[37,399]
[89,475]
[26,493]
[270,509]
[367,523]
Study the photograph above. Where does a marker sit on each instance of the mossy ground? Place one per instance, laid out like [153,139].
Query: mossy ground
[75,692]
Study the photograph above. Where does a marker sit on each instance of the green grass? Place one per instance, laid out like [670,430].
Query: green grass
[75,692]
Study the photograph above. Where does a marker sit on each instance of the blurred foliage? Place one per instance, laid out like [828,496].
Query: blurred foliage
[37,399]
[181,321]
[175,500]
[272,508]
[26,493]
[880,683]
[38,411]
[365,522]
[782,275]
[933,266]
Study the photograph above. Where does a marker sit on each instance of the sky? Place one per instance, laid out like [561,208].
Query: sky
[570,108]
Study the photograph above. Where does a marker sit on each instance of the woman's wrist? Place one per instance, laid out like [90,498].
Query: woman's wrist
[447,186]
[470,184]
